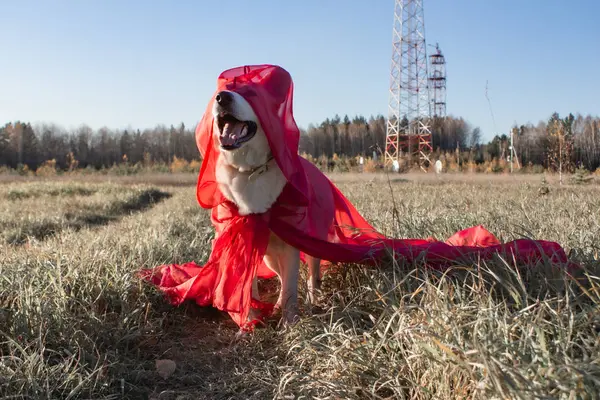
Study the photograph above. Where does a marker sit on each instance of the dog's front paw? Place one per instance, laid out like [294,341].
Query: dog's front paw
[254,314]
[290,315]
[291,320]
[241,334]
[314,289]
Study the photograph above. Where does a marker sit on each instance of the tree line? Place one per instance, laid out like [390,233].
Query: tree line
[359,136]
[559,143]
[23,144]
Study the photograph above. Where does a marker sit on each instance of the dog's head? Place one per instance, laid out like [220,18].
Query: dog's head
[242,141]
[261,94]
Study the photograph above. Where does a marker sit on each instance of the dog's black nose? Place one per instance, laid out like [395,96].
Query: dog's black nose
[223,98]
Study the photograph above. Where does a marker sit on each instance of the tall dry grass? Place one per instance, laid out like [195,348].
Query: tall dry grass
[76,322]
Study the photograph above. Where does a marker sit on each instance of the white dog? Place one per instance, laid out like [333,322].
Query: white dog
[248,176]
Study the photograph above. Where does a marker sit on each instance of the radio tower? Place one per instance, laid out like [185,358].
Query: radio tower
[409,107]
[437,82]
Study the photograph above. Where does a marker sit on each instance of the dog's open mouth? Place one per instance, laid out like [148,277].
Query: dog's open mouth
[233,132]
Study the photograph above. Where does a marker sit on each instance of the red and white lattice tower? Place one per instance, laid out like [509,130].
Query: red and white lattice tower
[408,136]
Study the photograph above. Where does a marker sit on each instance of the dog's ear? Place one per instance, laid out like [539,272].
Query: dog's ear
[277,82]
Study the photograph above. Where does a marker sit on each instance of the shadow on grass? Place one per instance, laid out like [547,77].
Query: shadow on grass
[42,229]
[18,194]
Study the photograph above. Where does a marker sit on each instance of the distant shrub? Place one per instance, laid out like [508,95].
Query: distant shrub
[125,169]
[370,165]
[472,166]
[178,165]
[23,170]
[581,177]
[195,165]
[48,168]
[497,168]
[4,170]
[73,163]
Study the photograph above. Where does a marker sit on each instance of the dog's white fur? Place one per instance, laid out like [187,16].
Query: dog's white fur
[250,178]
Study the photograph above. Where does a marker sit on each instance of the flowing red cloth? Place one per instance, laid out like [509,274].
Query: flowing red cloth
[310,214]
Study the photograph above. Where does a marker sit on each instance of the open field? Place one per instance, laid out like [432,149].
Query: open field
[76,322]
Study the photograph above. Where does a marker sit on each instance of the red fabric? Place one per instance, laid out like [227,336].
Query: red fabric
[310,214]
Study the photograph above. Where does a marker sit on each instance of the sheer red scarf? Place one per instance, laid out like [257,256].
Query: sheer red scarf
[310,214]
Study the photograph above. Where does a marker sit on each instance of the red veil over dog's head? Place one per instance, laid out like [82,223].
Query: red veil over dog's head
[269,90]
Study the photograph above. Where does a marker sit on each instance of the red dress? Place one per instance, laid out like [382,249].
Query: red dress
[310,214]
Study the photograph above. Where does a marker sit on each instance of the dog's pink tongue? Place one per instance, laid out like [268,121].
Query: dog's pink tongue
[232,132]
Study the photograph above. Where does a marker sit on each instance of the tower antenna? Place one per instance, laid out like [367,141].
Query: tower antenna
[490,105]
[409,107]
[437,82]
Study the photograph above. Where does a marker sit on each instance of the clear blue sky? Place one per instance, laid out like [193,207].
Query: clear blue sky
[140,63]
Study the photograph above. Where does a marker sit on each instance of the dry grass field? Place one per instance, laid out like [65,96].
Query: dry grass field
[77,323]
